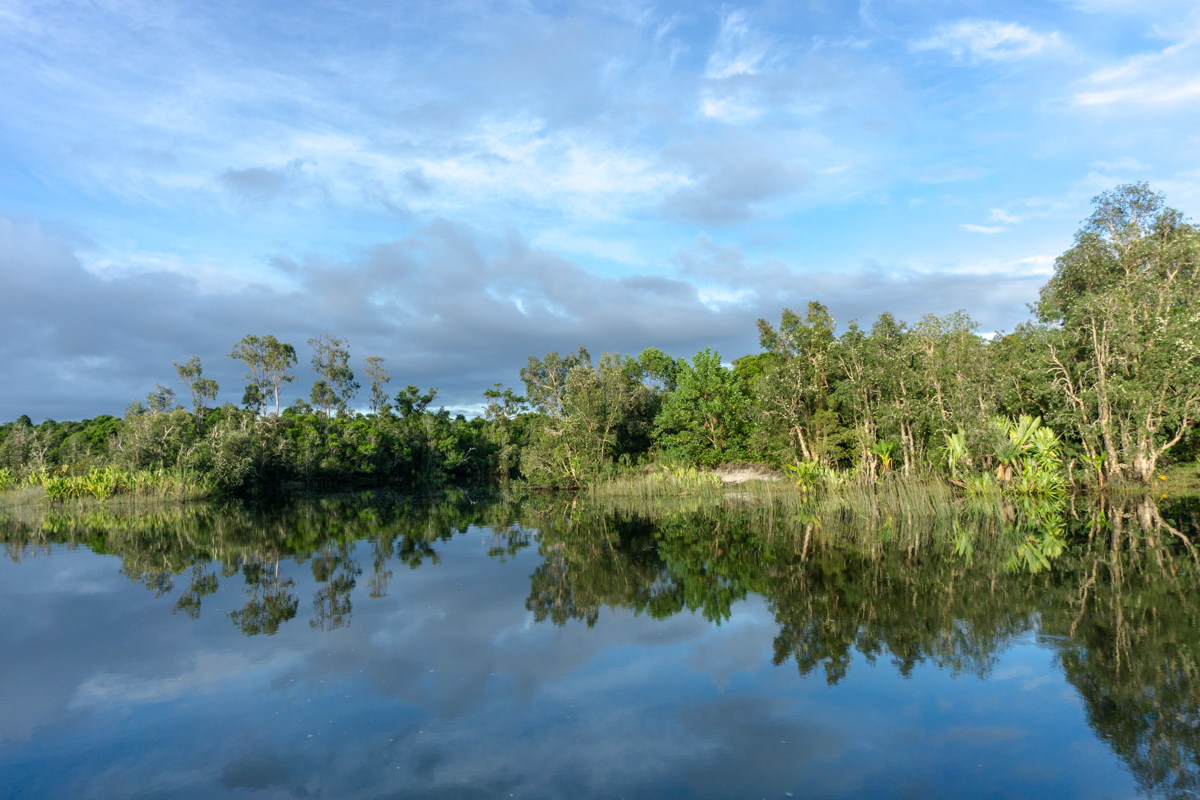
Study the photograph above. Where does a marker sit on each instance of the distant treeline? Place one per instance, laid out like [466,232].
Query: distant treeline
[1104,384]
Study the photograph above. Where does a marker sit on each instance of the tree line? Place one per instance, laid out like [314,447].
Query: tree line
[1102,384]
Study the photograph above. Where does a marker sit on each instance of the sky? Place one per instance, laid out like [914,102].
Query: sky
[456,186]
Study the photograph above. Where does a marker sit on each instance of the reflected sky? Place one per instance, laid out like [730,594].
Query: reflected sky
[446,686]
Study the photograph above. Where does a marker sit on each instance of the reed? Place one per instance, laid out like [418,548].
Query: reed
[179,483]
[673,490]
[913,512]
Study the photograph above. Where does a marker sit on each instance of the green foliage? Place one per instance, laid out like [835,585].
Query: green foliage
[377,375]
[331,360]
[103,483]
[1123,309]
[411,402]
[592,417]
[203,390]
[682,478]
[267,362]
[704,421]
[508,416]
[956,450]
[812,475]
[658,370]
[885,451]
[160,400]
[1030,457]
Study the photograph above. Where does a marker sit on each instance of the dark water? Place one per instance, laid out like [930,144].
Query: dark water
[348,647]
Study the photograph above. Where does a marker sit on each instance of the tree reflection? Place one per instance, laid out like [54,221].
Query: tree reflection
[1112,587]
[202,584]
[337,575]
[271,602]
[1131,630]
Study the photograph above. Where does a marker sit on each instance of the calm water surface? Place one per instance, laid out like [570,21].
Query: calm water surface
[348,647]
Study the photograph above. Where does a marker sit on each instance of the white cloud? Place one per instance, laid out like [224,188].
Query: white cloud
[739,49]
[732,108]
[966,226]
[1000,215]
[1121,165]
[989,40]
[208,673]
[613,249]
[1168,76]
[1033,265]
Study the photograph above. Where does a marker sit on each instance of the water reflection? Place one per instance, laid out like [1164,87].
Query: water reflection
[271,602]
[1111,586]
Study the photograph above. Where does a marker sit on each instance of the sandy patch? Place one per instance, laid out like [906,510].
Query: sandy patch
[743,473]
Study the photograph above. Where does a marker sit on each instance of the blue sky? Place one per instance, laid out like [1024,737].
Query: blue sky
[454,186]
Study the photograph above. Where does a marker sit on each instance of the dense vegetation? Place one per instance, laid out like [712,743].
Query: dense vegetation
[1103,385]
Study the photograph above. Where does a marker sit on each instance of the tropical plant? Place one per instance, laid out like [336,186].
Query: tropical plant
[885,451]
[955,451]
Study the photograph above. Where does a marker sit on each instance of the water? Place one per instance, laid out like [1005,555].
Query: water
[351,648]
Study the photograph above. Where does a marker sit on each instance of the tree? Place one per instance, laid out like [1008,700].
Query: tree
[655,368]
[160,399]
[1124,311]
[337,575]
[253,399]
[546,379]
[331,360]
[412,403]
[591,415]
[704,420]
[322,396]
[267,362]
[203,389]
[794,389]
[378,376]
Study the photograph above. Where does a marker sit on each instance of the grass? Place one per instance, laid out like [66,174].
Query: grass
[914,513]
[1181,480]
[103,483]
[844,501]
[692,487]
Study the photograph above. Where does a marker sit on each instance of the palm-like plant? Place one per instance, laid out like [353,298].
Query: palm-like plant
[885,451]
[955,450]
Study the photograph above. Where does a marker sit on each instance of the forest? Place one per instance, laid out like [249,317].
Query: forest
[1101,386]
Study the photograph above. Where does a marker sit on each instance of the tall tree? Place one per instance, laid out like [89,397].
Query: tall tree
[331,360]
[794,389]
[377,374]
[1124,310]
[203,390]
[267,363]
